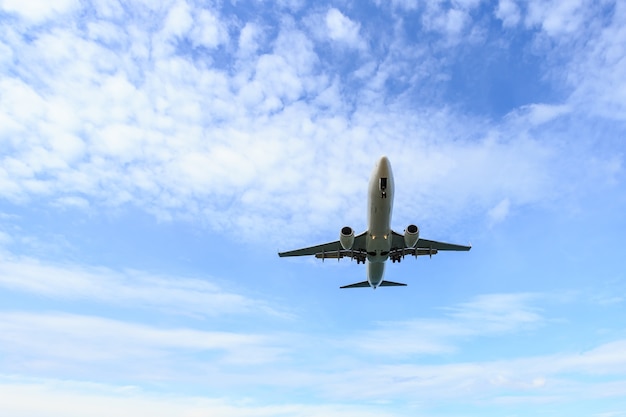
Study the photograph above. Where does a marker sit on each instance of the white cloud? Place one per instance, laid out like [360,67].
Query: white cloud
[136,123]
[486,315]
[550,379]
[450,22]
[508,12]
[298,50]
[208,30]
[499,312]
[130,288]
[76,344]
[455,21]
[71,202]
[178,21]
[5,238]
[342,29]
[376,370]
[500,212]
[22,105]
[108,33]
[39,10]
[201,26]
[538,114]
[595,73]
[557,18]
[141,151]
[250,38]
[108,9]
[292,5]
[62,398]
[279,79]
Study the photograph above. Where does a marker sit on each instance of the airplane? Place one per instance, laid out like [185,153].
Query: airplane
[378,243]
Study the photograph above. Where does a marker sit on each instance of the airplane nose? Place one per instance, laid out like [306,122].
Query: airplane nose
[384,167]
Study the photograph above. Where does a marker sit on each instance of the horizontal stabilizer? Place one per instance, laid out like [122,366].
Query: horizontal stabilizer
[357,285]
[391,284]
[366,284]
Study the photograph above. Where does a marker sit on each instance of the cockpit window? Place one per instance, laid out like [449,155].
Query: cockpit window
[383,184]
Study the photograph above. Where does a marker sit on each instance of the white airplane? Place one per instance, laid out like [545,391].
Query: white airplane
[378,243]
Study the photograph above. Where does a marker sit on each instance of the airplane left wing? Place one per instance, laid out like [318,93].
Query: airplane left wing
[326,249]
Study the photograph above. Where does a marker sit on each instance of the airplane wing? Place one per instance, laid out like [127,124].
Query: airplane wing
[433,244]
[398,243]
[328,248]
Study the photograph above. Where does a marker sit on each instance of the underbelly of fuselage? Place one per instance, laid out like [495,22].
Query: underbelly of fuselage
[378,256]
[375,273]
[378,247]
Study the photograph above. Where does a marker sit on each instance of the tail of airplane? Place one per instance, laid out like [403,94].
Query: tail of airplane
[366,284]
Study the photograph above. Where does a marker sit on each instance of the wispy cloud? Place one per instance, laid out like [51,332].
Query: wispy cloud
[551,378]
[486,315]
[342,29]
[39,10]
[136,289]
[509,12]
[357,366]
[81,344]
[66,398]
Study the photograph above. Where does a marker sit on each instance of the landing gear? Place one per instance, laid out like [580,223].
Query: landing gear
[396,258]
[358,256]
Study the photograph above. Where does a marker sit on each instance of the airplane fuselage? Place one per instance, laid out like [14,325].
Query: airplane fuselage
[379,210]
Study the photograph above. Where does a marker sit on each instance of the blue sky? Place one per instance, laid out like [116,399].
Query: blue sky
[155,155]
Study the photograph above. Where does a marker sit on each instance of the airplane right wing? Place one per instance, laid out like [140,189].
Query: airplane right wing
[433,244]
[329,250]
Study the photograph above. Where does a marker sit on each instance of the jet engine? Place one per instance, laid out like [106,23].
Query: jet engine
[346,237]
[411,235]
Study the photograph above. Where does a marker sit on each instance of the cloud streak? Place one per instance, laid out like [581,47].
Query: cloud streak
[487,315]
[377,370]
[79,345]
[63,398]
[136,289]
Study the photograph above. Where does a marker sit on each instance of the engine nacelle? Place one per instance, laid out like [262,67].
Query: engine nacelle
[411,236]
[346,237]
